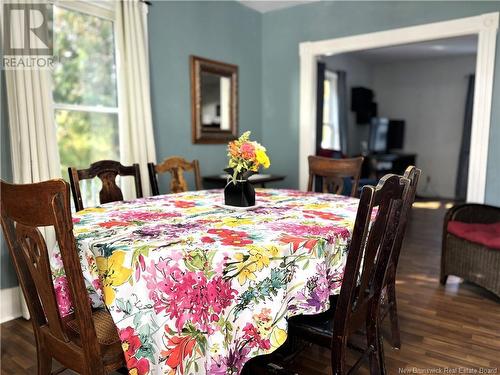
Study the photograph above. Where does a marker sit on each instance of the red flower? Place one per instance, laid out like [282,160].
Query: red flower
[182,347]
[296,241]
[207,239]
[220,232]
[130,342]
[114,223]
[235,234]
[236,241]
[184,204]
[138,367]
[262,194]
[324,215]
[76,220]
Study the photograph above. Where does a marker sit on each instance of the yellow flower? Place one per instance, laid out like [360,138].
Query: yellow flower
[260,256]
[91,210]
[234,222]
[78,230]
[316,206]
[112,274]
[262,157]
[244,270]
[278,337]
[196,210]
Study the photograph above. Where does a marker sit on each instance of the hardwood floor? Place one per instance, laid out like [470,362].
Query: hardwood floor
[456,327]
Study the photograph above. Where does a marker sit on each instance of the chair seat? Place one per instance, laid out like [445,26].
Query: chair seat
[318,326]
[107,336]
[104,326]
[485,234]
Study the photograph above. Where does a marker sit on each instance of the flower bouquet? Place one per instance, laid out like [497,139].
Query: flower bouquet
[245,159]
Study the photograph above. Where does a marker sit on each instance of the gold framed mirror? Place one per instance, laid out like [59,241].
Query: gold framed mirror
[214,100]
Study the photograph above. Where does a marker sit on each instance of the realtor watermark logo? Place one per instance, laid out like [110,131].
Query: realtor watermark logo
[27,36]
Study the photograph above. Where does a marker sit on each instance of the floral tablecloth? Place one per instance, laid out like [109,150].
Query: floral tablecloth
[195,288]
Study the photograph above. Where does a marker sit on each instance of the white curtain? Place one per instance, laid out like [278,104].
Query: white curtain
[33,141]
[136,124]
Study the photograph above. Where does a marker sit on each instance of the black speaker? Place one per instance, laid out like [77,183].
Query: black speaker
[363,105]
[361,99]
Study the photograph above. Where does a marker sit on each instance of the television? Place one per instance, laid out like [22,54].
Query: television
[386,135]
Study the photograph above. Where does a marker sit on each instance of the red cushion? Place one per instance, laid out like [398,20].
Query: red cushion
[485,234]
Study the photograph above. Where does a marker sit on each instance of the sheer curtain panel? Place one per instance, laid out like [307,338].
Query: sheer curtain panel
[135,120]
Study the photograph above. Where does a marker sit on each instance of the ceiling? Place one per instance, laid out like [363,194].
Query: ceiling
[459,46]
[263,6]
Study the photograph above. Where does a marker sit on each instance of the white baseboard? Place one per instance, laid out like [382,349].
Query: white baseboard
[10,304]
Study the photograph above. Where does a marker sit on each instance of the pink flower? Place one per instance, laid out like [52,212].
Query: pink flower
[187,296]
[248,150]
[304,230]
[254,339]
[63,296]
[96,283]
[146,215]
[197,299]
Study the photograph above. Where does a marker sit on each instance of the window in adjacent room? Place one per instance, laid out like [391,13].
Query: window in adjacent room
[331,133]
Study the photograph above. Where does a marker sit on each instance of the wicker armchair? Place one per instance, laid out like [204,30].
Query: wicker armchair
[470,260]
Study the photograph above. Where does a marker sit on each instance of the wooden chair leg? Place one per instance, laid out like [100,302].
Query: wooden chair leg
[381,355]
[376,355]
[44,362]
[339,347]
[393,315]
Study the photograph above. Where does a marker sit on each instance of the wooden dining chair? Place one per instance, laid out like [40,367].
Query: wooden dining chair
[85,341]
[358,305]
[389,306]
[332,172]
[106,171]
[176,166]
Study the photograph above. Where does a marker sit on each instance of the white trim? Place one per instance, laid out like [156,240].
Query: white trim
[10,305]
[85,108]
[484,26]
[102,9]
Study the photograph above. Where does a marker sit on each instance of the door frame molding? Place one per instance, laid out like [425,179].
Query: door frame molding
[485,26]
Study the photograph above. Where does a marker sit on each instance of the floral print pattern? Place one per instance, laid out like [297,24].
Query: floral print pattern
[195,288]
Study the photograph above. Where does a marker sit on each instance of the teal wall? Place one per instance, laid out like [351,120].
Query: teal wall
[283,30]
[224,31]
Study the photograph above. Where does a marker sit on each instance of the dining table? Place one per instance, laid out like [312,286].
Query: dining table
[196,287]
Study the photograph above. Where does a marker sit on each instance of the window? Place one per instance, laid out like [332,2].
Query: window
[85,89]
[331,133]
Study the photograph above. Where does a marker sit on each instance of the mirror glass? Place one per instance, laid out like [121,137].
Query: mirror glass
[215,101]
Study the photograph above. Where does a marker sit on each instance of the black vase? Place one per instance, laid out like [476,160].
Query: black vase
[241,194]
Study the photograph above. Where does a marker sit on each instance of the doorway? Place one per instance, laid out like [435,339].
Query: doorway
[484,27]
[398,106]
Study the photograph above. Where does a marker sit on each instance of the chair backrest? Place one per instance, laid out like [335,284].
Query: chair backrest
[175,165]
[332,173]
[106,171]
[369,252]
[25,209]
[412,173]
